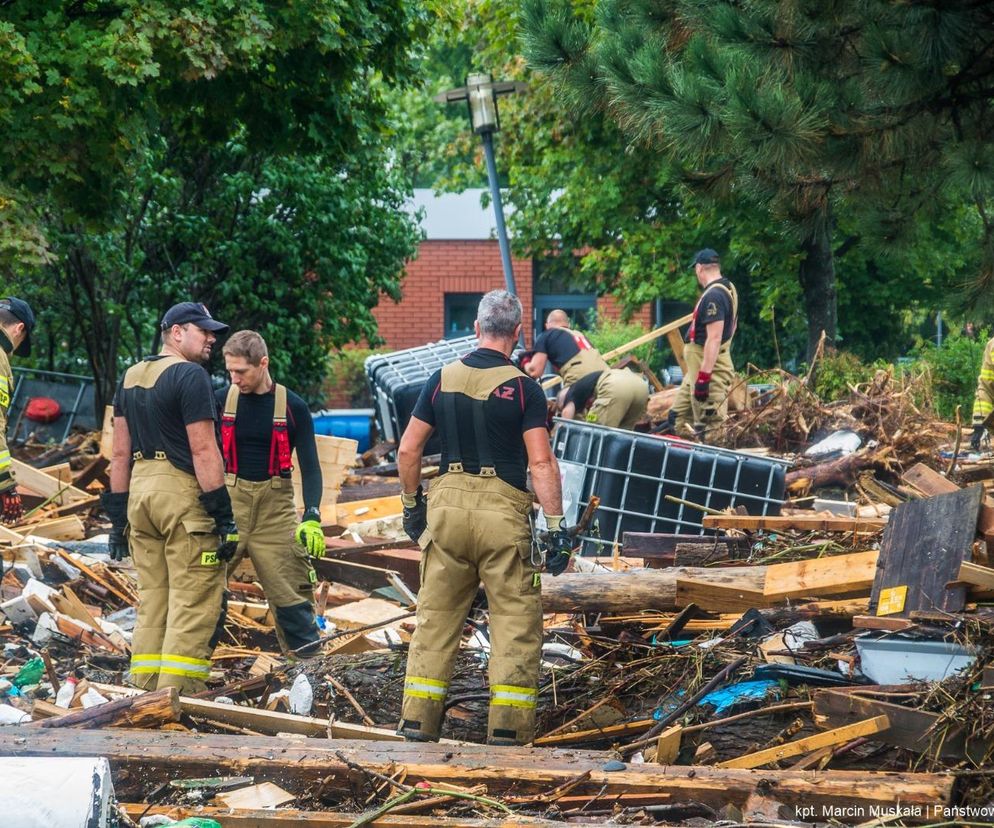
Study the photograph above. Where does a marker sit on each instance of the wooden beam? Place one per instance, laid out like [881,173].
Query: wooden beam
[154,756]
[358,511]
[37,481]
[271,722]
[63,528]
[356,575]
[150,710]
[651,336]
[736,595]
[881,622]
[800,523]
[266,818]
[839,736]
[971,573]
[647,589]
[836,575]
[909,728]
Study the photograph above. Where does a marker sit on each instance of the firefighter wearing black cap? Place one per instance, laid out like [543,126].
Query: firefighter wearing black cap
[262,424]
[168,504]
[702,400]
[475,525]
[17,320]
[616,397]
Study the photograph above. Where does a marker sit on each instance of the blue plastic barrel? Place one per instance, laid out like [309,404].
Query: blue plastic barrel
[352,423]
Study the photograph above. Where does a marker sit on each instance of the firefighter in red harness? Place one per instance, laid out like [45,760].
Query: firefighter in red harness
[262,423]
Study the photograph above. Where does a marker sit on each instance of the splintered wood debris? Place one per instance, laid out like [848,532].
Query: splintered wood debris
[832,663]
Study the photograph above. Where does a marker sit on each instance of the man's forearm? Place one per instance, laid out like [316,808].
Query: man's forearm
[711,347]
[409,469]
[548,486]
[209,470]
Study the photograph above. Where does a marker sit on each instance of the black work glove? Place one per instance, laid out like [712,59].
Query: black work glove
[702,388]
[116,506]
[978,435]
[11,508]
[557,545]
[217,504]
[415,513]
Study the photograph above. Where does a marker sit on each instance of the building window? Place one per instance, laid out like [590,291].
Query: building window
[460,313]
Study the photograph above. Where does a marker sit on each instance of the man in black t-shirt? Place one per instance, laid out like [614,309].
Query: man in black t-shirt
[619,396]
[702,400]
[476,526]
[261,425]
[168,504]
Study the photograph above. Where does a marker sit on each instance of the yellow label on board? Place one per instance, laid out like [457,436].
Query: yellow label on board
[892,600]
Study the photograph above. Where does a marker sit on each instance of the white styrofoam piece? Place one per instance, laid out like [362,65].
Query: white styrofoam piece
[42,792]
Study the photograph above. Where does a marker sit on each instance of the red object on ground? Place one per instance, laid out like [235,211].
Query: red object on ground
[43,410]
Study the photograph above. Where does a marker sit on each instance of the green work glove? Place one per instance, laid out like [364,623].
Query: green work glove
[310,535]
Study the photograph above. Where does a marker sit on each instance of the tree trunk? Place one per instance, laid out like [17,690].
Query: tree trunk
[816,273]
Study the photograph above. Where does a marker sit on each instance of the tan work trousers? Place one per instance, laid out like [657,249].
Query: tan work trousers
[704,415]
[266,520]
[620,399]
[180,580]
[477,530]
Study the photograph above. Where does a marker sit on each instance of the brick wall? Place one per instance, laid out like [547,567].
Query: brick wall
[446,267]
[608,308]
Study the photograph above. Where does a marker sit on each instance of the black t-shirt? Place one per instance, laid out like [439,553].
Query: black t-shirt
[715,305]
[158,416]
[513,408]
[560,345]
[581,391]
[254,434]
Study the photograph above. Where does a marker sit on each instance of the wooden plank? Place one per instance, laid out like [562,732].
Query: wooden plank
[800,523]
[405,560]
[356,575]
[736,596]
[923,548]
[256,797]
[668,745]
[244,818]
[975,575]
[650,336]
[61,472]
[154,756]
[596,734]
[910,729]
[359,511]
[928,481]
[271,722]
[63,528]
[931,483]
[697,550]
[838,736]
[336,456]
[881,622]
[837,575]
[37,481]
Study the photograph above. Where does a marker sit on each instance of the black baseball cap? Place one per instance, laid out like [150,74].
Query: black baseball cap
[22,310]
[195,312]
[707,256]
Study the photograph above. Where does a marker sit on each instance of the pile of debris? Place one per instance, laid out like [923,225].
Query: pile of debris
[829,660]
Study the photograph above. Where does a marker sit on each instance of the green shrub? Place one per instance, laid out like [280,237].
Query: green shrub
[953,368]
[609,334]
[346,373]
[836,371]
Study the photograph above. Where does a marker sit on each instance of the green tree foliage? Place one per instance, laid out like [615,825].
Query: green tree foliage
[954,368]
[230,153]
[846,124]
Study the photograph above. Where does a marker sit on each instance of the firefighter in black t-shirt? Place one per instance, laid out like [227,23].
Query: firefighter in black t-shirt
[619,396]
[476,526]
[169,504]
[261,425]
[702,400]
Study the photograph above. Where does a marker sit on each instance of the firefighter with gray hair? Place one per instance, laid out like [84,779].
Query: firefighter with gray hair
[475,525]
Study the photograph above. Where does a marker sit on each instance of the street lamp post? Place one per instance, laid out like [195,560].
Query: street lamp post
[480,94]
